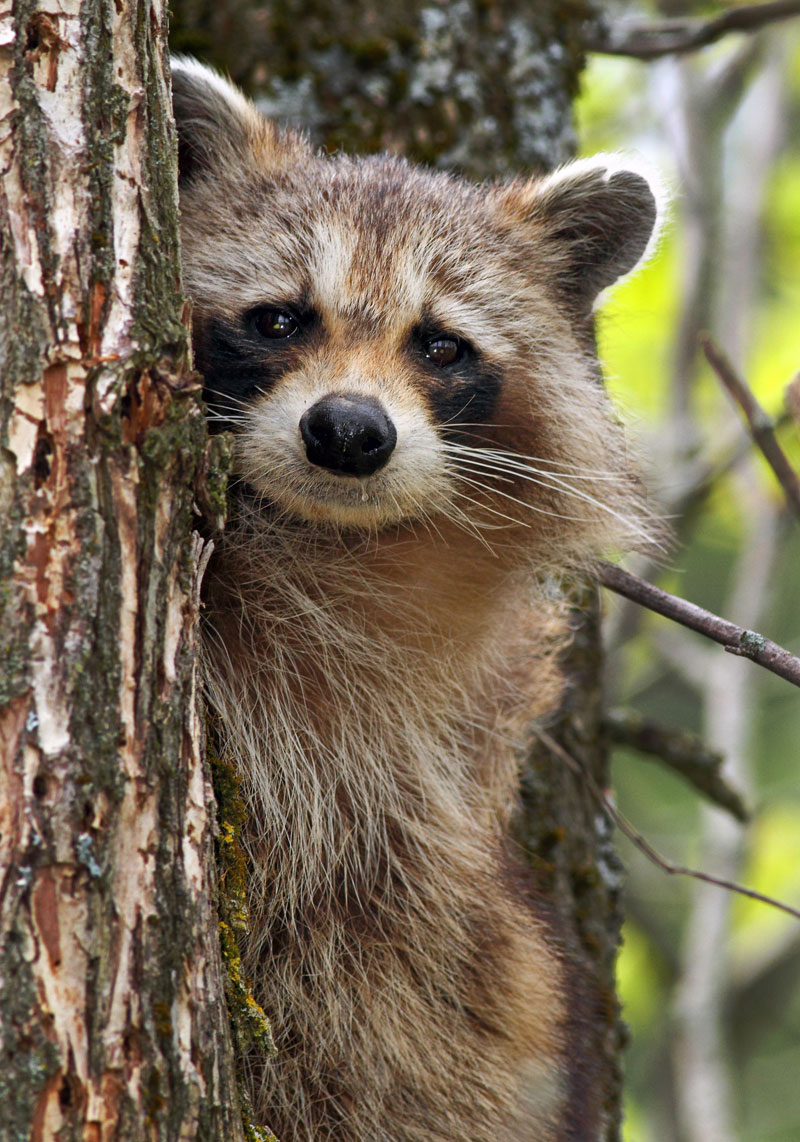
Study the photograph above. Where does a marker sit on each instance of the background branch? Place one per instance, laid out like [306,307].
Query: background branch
[793,399]
[735,639]
[643,845]
[681,751]
[677,37]
[761,425]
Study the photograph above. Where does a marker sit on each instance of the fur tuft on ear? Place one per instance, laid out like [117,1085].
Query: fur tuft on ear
[218,127]
[596,218]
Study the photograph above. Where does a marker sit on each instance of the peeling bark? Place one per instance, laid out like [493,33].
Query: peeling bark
[112,1014]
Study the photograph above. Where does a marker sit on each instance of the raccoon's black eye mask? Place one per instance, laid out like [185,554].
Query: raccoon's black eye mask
[439,346]
[239,361]
[279,323]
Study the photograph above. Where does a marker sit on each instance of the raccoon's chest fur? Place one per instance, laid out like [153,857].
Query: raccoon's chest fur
[421,451]
[396,960]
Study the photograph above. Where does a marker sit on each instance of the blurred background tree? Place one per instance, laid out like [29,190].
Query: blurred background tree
[709,980]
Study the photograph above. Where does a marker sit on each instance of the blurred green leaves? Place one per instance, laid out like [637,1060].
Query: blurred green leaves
[661,672]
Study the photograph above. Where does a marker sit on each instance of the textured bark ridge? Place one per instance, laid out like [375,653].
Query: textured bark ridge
[112,1014]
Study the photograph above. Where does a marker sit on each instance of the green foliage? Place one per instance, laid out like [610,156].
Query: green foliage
[620,109]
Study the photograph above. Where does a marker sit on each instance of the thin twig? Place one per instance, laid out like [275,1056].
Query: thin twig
[735,639]
[644,846]
[682,752]
[761,425]
[676,37]
[681,870]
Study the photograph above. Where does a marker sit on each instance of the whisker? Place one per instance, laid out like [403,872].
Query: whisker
[455,414]
[495,451]
[494,511]
[234,400]
[533,507]
[516,459]
[226,418]
[488,462]
[470,527]
[549,481]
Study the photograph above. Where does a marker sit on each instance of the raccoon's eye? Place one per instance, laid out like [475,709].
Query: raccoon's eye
[444,351]
[276,324]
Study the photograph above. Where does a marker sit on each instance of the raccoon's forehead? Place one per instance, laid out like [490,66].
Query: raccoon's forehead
[376,238]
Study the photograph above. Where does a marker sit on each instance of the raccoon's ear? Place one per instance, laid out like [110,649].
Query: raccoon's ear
[219,129]
[595,219]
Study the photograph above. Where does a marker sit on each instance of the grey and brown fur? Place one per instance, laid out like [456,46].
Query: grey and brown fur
[373,641]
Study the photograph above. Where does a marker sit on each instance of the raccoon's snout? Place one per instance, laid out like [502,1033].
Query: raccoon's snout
[348,433]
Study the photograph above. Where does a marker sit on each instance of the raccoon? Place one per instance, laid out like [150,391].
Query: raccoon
[423,451]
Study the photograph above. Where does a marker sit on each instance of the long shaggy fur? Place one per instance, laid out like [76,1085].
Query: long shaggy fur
[374,642]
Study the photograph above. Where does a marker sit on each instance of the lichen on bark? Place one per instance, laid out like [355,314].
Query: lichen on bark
[252,1033]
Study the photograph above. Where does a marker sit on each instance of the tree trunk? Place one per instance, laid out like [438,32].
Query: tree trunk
[112,1014]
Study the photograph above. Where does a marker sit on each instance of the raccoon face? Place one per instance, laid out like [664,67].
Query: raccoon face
[391,344]
[352,357]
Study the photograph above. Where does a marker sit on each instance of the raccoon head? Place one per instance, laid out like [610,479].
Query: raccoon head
[393,345]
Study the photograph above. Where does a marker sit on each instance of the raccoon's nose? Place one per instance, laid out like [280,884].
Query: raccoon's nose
[348,433]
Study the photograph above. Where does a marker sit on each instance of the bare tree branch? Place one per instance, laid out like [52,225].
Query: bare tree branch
[681,751]
[735,639]
[636,838]
[761,425]
[677,37]
[624,825]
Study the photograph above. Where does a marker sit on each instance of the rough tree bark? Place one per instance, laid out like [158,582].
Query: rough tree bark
[112,1013]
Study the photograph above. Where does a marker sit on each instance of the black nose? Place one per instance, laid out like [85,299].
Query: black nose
[348,433]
